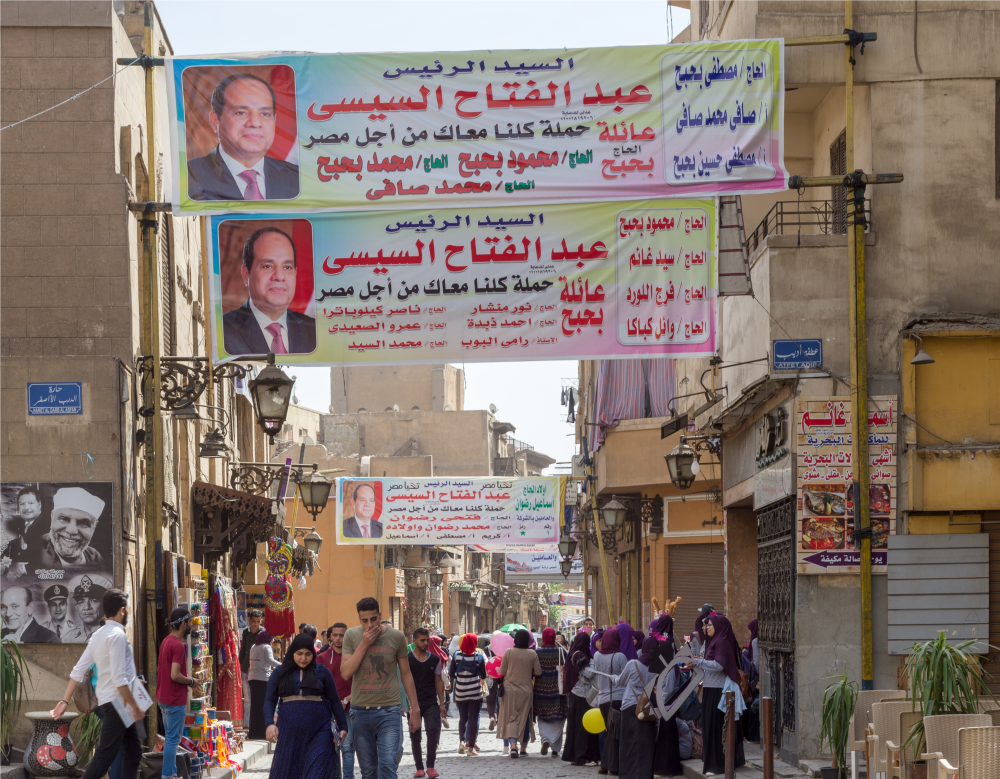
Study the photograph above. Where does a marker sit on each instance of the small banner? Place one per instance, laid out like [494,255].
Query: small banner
[347,132]
[430,511]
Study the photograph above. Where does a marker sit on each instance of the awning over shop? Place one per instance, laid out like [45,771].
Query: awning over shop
[231,521]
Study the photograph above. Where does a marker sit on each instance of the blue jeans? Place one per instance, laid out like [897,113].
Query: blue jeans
[115,772]
[347,749]
[378,739]
[173,727]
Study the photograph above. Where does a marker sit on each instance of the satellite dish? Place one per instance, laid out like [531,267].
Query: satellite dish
[395,407]
[493,409]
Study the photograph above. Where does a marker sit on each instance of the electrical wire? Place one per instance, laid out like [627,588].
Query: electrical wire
[71,99]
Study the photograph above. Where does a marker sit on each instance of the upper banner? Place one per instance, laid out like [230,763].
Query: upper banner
[587,281]
[348,132]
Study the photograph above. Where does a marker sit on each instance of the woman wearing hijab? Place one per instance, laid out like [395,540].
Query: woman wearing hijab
[719,664]
[750,721]
[663,628]
[627,644]
[595,641]
[699,625]
[582,747]
[435,648]
[611,661]
[637,638]
[467,670]
[667,755]
[491,684]
[258,672]
[309,704]
[548,704]
[638,738]
[519,665]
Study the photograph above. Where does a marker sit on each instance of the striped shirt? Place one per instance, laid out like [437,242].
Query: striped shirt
[465,684]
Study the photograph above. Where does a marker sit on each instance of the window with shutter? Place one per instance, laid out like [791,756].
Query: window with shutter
[838,167]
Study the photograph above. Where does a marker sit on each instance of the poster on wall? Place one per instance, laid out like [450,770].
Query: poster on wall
[598,280]
[325,132]
[458,510]
[541,566]
[825,506]
[57,559]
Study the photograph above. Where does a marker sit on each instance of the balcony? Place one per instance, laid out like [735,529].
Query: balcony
[805,217]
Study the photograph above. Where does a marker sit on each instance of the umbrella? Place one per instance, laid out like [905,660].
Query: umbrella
[513,627]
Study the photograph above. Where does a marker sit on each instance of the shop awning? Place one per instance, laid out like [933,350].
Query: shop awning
[227,520]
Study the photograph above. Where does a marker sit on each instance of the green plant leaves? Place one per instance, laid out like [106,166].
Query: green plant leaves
[14,672]
[839,699]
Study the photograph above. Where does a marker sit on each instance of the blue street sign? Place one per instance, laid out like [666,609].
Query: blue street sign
[793,355]
[55,398]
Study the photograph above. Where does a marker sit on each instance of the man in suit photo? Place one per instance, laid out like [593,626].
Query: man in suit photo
[264,324]
[18,623]
[243,118]
[360,524]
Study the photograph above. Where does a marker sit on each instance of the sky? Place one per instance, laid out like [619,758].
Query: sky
[527,395]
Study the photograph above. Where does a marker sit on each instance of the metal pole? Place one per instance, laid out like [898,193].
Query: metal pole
[767,735]
[150,336]
[730,735]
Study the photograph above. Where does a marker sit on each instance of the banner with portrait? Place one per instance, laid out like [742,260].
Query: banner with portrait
[588,281]
[346,132]
[57,559]
[454,510]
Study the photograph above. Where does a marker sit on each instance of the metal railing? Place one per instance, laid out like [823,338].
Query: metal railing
[808,217]
[519,446]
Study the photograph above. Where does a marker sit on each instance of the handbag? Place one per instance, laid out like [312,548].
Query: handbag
[745,686]
[615,724]
[84,696]
[559,670]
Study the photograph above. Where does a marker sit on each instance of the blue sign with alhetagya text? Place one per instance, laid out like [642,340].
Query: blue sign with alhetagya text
[794,355]
[55,398]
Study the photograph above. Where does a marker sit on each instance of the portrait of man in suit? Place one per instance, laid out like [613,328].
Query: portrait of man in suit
[18,622]
[264,323]
[243,118]
[362,523]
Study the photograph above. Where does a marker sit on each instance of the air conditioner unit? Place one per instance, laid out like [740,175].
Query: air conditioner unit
[579,469]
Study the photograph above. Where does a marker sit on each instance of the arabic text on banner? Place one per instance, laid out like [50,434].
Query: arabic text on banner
[825,511]
[520,565]
[588,281]
[449,511]
[329,132]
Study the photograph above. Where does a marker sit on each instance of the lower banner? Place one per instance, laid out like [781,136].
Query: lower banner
[459,510]
[585,281]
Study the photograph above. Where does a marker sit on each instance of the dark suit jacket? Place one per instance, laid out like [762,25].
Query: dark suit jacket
[209,179]
[241,333]
[353,530]
[35,634]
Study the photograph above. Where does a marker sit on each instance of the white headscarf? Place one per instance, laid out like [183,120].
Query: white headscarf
[453,646]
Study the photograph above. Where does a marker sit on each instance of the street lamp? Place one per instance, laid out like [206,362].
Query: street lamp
[214,446]
[614,513]
[313,542]
[682,465]
[315,492]
[567,546]
[271,391]
[437,577]
[566,566]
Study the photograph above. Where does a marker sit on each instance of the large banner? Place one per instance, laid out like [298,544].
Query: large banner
[432,510]
[589,281]
[347,132]
[540,567]
[57,560]
[825,472]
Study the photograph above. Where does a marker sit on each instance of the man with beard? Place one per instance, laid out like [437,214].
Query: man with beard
[18,623]
[172,686]
[56,598]
[87,595]
[74,517]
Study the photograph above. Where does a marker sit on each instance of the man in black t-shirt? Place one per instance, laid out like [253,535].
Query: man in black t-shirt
[426,669]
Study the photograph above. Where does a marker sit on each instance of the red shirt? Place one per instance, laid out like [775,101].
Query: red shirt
[169,692]
[331,658]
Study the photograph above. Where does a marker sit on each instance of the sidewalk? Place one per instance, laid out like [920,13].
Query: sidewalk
[754,768]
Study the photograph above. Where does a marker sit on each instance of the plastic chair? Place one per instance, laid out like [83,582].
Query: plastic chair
[978,755]
[898,757]
[885,721]
[941,734]
[861,719]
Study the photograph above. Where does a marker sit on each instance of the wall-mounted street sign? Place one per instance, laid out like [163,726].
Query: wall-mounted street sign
[797,354]
[45,399]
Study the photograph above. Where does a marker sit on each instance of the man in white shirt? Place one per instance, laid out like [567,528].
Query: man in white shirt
[362,524]
[110,651]
[264,324]
[244,117]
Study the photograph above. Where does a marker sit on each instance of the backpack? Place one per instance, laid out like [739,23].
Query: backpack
[645,711]
[469,664]
[84,696]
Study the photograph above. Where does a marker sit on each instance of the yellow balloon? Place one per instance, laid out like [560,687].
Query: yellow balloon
[593,721]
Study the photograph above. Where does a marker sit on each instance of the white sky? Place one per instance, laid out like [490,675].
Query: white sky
[526,394]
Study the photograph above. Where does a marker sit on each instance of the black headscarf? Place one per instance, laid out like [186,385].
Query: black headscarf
[522,639]
[662,657]
[310,684]
[579,649]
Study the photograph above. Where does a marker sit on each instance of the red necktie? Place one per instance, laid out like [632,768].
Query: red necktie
[364,530]
[253,191]
[277,345]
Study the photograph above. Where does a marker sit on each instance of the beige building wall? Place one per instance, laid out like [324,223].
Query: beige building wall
[403,387]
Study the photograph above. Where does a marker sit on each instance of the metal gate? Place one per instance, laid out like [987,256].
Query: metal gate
[776,609]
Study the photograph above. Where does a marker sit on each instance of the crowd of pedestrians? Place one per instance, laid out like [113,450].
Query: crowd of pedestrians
[343,697]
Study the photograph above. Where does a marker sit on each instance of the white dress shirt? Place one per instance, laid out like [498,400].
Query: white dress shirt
[236,168]
[110,650]
[261,662]
[264,320]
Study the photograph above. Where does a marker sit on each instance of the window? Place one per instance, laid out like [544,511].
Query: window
[838,167]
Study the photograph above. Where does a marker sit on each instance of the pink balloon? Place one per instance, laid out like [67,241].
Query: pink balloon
[500,643]
[493,667]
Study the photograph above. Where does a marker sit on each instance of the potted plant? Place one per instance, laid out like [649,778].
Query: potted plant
[944,679]
[14,672]
[838,708]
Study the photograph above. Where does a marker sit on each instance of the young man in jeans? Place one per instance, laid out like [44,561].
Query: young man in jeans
[172,686]
[372,655]
[332,659]
[426,669]
[110,650]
